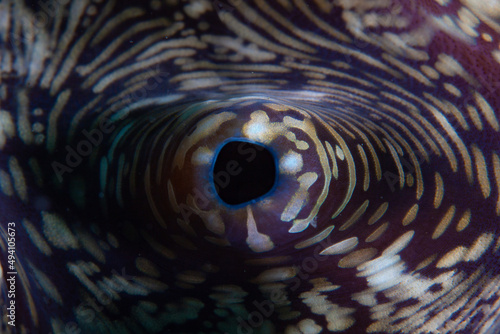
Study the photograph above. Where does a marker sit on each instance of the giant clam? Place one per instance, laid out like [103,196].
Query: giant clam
[237,166]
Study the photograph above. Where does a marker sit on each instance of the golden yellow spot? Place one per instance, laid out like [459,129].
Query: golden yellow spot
[258,242]
[430,72]
[444,223]
[399,244]
[300,197]
[397,161]
[300,144]
[209,124]
[410,180]
[449,66]
[452,89]
[482,171]
[358,257]
[377,233]
[468,22]
[355,216]
[439,191]
[410,215]
[317,238]
[486,37]
[379,213]
[464,221]
[364,159]
[426,262]
[452,257]
[333,158]
[487,111]
[479,247]
[341,247]
[474,116]
[275,275]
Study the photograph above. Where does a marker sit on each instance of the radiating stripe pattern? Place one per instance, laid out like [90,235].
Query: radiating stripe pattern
[283,166]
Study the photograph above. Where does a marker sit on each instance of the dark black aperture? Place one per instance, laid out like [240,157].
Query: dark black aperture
[243,171]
